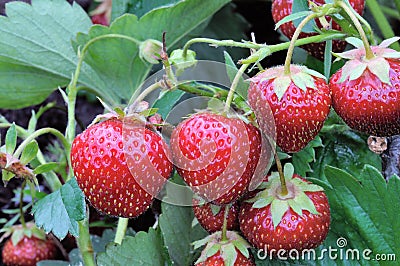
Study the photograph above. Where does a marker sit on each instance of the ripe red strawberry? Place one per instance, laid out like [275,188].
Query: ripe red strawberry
[299,220]
[283,8]
[120,166]
[211,217]
[292,106]
[366,92]
[233,251]
[28,251]
[216,156]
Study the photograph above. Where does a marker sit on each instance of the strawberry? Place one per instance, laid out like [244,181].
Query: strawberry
[291,106]
[298,220]
[120,166]
[283,8]
[218,260]
[216,156]
[28,251]
[211,217]
[232,251]
[366,92]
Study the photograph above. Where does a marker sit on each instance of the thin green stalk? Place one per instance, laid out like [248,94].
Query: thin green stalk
[382,21]
[146,92]
[40,132]
[233,87]
[397,3]
[85,243]
[368,52]
[231,43]
[21,207]
[391,12]
[296,34]
[284,190]
[225,224]
[121,230]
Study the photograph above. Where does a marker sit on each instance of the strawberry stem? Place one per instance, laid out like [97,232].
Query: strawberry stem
[21,210]
[296,34]
[85,244]
[233,87]
[121,230]
[284,190]
[216,43]
[225,224]
[146,92]
[349,11]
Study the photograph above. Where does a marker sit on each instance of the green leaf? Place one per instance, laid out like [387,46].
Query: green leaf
[344,149]
[278,209]
[29,153]
[119,65]
[262,202]
[228,254]
[60,211]
[35,52]
[292,17]
[176,226]
[369,208]
[328,59]
[281,84]
[167,102]
[232,70]
[302,159]
[288,171]
[301,6]
[11,139]
[138,7]
[47,167]
[146,248]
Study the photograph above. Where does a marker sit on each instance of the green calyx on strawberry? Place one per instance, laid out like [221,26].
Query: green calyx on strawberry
[216,156]
[211,216]
[120,165]
[27,245]
[293,106]
[229,252]
[298,220]
[366,91]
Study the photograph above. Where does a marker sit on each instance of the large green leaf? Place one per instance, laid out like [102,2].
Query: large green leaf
[138,7]
[365,210]
[60,211]
[344,149]
[143,249]
[35,51]
[176,225]
[117,59]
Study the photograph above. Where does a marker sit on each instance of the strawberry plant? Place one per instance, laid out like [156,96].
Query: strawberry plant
[186,132]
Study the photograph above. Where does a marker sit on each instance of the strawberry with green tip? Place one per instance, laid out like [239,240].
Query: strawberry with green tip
[211,217]
[27,246]
[233,251]
[297,220]
[366,91]
[293,106]
[120,165]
